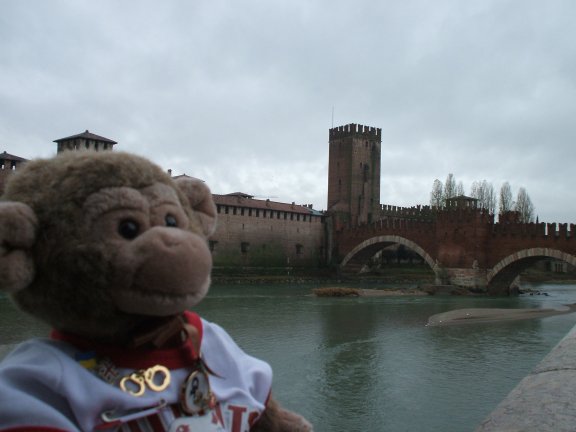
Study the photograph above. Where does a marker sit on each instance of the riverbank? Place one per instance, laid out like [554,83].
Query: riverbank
[420,277]
[398,275]
[490,315]
[363,292]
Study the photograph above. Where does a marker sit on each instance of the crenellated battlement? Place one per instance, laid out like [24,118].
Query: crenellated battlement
[537,230]
[415,212]
[455,216]
[355,129]
[416,223]
[396,225]
[442,215]
[471,217]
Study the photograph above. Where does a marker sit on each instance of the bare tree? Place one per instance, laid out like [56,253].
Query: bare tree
[524,206]
[450,187]
[459,189]
[437,195]
[489,197]
[484,192]
[476,191]
[506,203]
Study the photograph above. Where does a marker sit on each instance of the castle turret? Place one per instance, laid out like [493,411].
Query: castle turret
[84,141]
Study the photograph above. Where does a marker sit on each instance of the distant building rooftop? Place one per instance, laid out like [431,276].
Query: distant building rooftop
[183,176]
[240,194]
[7,156]
[8,165]
[87,135]
[240,199]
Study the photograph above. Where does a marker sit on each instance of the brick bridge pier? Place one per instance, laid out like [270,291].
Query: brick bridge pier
[464,247]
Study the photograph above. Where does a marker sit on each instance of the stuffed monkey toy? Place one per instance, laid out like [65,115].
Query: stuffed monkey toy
[111,252]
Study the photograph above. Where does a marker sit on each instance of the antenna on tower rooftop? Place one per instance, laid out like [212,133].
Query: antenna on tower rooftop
[332,116]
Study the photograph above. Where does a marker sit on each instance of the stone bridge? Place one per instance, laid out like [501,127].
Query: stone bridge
[464,247]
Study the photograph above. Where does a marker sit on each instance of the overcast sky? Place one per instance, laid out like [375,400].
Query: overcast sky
[242,93]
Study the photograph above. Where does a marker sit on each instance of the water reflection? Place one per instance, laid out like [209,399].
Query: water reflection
[350,352]
[16,326]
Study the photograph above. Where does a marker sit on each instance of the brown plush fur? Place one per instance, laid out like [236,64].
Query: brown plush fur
[71,274]
[65,257]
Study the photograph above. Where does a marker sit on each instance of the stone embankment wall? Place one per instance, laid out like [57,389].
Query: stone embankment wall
[544,400]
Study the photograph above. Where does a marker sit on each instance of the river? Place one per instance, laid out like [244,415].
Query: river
[371,364]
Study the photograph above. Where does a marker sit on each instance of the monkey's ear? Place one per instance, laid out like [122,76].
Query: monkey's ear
[201,201]
[18,226]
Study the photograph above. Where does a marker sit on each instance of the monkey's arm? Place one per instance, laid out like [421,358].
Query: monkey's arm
[18,226]
[277,419]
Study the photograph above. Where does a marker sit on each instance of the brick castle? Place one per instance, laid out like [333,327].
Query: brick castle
[267,234]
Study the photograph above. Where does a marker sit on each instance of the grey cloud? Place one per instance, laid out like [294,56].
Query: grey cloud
[483,89]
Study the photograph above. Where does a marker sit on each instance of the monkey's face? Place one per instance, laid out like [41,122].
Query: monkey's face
[158,264]
[99,243]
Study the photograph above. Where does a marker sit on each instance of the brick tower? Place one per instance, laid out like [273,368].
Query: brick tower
[354,174]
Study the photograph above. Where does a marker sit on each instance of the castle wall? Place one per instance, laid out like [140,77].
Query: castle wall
[258,233]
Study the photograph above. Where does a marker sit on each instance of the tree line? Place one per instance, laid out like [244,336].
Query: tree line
[484,192]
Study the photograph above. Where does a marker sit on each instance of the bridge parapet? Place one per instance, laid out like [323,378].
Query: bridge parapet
[464,215]
[448,215]
[400,225]
[540,230]
[563,230]
[415,212]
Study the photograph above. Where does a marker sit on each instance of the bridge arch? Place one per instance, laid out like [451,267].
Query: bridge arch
[374,244]
[501,276]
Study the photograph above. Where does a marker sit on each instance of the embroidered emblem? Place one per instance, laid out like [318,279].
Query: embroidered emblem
[107,371]
[86,359]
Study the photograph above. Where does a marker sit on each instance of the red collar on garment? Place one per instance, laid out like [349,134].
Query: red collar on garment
[140,358]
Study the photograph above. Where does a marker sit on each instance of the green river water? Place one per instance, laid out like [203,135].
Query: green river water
[371,364]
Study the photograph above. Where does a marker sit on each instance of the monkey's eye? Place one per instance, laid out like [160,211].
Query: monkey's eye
[129,229]
[170,220]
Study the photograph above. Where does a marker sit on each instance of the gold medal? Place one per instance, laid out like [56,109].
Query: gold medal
[196,398]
